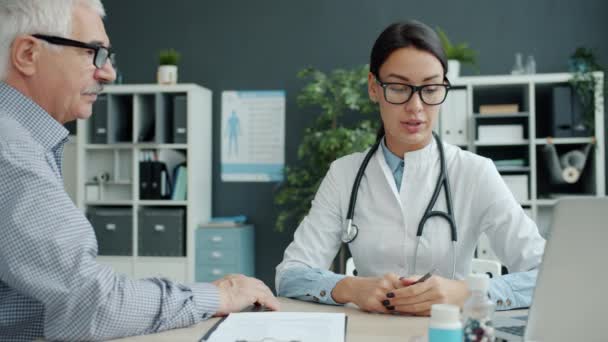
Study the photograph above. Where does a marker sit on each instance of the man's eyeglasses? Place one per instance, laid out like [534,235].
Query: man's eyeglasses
[102,53]
[400,93]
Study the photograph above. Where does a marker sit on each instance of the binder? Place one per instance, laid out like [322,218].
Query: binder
[144,179]
[180,118]
[162,129]
[180,183]
[562,112]
[99,121]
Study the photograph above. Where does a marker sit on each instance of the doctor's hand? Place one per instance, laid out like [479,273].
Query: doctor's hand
[416,299]
[238,292]
[367,293]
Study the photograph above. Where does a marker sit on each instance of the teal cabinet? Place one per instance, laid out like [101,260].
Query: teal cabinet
[222,251]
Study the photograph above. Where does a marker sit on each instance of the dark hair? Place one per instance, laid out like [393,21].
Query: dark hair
[400,35]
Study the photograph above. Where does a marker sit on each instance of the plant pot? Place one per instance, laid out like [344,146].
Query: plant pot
[453,69]
[167,74]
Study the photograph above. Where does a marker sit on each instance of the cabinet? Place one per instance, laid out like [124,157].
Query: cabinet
[224,251]
[516,139]
[145,218]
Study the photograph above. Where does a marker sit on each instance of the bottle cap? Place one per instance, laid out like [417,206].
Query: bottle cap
[478,282]
[444,314]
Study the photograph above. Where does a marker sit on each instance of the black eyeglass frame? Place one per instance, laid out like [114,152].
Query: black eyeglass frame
[109,54]
[415,89]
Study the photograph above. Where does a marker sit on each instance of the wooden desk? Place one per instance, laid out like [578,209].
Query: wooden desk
[362,326]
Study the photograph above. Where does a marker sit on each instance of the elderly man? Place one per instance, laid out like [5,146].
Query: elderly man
[53,62]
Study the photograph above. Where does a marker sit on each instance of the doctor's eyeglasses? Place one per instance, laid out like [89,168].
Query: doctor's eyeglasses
[102,53]
[400,93]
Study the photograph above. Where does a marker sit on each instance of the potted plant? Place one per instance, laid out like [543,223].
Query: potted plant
[337,95]
[167,69]
[582,64]
[456,54]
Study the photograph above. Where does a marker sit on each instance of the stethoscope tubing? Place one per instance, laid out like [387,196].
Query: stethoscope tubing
[350,232]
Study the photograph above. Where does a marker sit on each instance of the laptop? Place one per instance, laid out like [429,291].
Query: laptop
[570,300]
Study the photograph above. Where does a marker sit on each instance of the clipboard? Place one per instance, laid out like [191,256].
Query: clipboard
[257,308]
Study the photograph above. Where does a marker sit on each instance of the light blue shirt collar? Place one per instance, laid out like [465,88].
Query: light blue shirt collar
[392,160]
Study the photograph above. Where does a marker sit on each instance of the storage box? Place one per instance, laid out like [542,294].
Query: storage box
[162,232]
[518,184]
[500,133]
[113,229]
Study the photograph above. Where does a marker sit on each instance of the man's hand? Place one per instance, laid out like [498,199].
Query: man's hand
[416,299]
[369,294]
[238,292]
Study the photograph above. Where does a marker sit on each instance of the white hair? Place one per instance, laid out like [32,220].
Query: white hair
[51,17]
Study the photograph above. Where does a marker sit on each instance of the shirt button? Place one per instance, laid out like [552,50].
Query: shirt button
[508,302]
[323,293]
[499,302]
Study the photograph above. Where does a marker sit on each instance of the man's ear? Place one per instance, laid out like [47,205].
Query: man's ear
[25,52]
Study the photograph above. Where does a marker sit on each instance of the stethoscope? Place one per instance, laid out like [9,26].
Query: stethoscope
[350,232]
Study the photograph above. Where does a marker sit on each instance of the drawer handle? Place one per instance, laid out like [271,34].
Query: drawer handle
[111,226]
[217,238]
[159,228]
[216,255]
[216,271]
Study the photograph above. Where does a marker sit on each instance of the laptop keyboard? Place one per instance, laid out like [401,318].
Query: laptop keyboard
[517,330]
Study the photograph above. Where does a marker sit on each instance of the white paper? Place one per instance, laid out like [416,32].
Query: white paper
[253,136]
[282,326]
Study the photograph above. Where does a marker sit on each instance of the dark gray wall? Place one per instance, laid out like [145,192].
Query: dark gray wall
[251,45]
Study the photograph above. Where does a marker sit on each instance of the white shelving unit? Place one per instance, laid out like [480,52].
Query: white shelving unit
[132,110]
[460,117]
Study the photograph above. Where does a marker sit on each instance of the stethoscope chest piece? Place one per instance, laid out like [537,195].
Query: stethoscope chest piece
[350,232]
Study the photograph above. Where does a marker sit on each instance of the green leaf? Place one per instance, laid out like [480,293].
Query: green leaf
[338,95]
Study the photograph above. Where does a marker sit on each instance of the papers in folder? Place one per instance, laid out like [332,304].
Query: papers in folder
[281,326]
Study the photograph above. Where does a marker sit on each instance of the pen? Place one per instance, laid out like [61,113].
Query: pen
[425,277]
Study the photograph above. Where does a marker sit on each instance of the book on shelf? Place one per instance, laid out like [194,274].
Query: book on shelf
[180,183]
[508,108]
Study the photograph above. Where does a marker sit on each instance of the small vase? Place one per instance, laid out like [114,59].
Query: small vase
[167,74]
[453,69]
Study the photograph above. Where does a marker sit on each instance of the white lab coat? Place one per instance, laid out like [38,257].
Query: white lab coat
[388,219]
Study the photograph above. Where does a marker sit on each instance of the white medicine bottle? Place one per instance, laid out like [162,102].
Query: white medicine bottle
[445,324]
[478,310]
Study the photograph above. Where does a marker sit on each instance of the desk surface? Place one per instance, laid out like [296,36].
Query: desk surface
[361,327]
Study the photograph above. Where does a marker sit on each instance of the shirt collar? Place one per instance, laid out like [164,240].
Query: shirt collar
[42,126]
[392,160]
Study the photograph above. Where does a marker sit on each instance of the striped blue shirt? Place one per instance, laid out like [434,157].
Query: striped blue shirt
[50,283]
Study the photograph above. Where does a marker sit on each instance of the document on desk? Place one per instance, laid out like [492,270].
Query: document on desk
[281,326]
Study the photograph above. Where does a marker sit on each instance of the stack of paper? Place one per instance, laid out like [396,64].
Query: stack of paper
[280,326]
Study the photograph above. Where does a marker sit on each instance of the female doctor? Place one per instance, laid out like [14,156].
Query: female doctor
[391,243]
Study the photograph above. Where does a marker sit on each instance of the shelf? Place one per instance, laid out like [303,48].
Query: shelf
[162,203]
[564,141]
[501,116]
[118,182]
[502,143]
[505,79]
[552,201]
[121,146]
[546,202]
[110,203]
[513,168]
[124,146]
[161,146]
